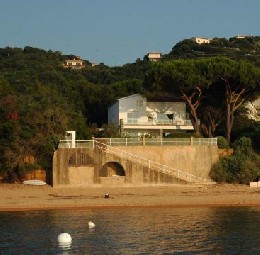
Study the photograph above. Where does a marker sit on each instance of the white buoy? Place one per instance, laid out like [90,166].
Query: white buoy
[91,224]
[64,238]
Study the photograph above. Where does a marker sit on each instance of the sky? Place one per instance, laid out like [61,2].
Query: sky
[117,32]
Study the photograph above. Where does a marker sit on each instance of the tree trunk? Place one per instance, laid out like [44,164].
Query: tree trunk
[234,98]
[193,102]
[196,121]
[228,122]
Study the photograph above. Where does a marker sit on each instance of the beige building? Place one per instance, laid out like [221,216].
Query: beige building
[201,40]
[154,56]
[75,63]
[242,36]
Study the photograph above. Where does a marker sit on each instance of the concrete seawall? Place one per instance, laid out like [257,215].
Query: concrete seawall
[86,166]
[196,160]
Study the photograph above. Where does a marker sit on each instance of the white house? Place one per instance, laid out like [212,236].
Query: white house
[242,36]
[135,116]
[75,63]
[253,110]
[201,40]
[154,56]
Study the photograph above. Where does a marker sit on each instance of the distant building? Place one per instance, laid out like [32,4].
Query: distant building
[154,56]
[74,63]
[201,40]
[135,116]
[243,36]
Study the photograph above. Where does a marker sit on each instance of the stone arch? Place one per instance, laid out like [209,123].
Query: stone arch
[80,159]
[110,169]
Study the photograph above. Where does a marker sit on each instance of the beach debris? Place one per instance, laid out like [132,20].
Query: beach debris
[106,195]
[91,224]
[64,238]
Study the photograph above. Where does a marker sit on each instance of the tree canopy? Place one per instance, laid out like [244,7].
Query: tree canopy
[196,81]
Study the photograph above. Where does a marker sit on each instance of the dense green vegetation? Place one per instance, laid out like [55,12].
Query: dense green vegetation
[246,48]
[40,99]
[242,166]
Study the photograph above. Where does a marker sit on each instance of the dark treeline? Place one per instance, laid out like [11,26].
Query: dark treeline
[40,99]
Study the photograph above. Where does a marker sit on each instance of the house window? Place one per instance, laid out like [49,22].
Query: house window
[132,117]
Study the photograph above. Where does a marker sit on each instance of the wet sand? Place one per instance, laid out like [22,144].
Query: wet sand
[16,197]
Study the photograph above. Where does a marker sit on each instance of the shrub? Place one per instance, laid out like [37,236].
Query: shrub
[244,146]
[222,142]
[250,172]
[218,172]
[241,167]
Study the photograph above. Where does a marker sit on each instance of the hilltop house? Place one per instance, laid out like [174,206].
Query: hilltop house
[201,40]
[243,36]
[154,56]
[74,63]
[135,116]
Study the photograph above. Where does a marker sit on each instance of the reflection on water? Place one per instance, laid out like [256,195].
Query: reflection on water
[133,231]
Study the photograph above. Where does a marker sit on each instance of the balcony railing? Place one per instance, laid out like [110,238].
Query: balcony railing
[157,141]
[159,123]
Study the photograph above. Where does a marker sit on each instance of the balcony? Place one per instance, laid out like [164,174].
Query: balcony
[159,124]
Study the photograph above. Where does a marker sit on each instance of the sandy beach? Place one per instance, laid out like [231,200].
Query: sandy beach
[15,197]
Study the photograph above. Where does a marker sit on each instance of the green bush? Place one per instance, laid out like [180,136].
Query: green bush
[241,167]
[244,146]
[222,142]
[218,173]
[250,172]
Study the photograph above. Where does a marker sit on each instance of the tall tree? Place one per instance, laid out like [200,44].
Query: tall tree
[183,78]
[240,79]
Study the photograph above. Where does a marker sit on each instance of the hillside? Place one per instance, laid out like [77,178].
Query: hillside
[40,99]
[247,48]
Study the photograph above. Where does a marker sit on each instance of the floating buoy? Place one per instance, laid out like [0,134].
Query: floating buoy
[91,224]
[107,195]
[64,238]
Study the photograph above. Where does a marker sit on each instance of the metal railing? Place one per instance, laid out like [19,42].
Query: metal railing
[181,122]
[139,141]
[157,141]
[78,144]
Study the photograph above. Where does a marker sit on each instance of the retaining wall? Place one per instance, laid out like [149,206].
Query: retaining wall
[196,160]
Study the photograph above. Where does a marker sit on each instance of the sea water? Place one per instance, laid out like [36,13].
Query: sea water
[133,231]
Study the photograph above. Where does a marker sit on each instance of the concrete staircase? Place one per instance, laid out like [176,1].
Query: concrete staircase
[152,165]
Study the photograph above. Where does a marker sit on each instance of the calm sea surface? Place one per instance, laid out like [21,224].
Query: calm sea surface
[133,231]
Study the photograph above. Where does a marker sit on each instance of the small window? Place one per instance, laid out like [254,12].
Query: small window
[132,117]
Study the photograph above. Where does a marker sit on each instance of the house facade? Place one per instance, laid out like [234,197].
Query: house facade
[242,36]
[253,110]
[201,40]
[74,63]
[154,56]
[135,116]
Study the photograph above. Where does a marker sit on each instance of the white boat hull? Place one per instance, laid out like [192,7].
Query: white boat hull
[34,182]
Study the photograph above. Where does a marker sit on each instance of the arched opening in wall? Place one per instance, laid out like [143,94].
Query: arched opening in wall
[80,159]
[111,169]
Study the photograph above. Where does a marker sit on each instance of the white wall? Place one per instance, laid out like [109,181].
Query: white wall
[135,103]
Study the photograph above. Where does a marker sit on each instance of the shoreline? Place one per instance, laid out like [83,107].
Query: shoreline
[96,207]
[20,197]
